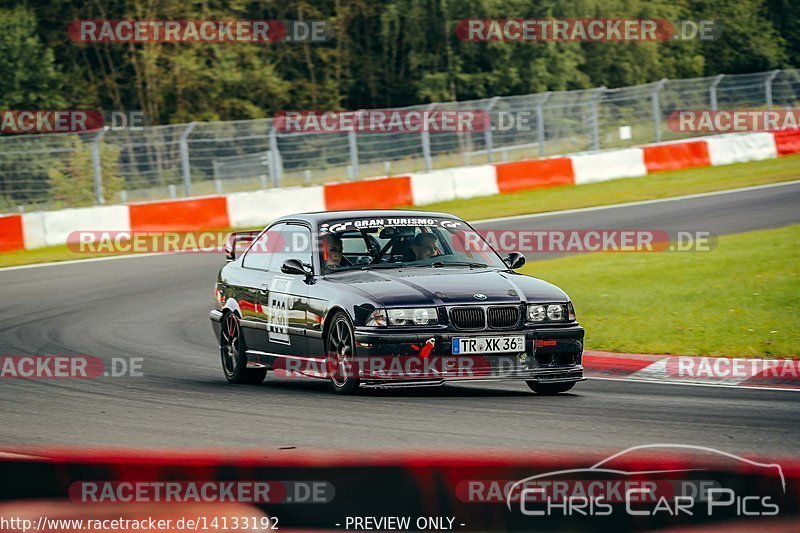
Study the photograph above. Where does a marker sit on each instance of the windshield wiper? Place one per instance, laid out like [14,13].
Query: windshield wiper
[440,264]
[383,265]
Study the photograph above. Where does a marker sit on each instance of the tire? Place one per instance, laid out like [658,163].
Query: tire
[340,350]
[549,389]
[232,353]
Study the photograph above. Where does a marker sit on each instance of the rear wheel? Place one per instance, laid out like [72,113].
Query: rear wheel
[340,347]
[549,389]
[232,352]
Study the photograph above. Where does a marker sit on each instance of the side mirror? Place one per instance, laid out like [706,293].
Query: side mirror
[514,260]
[238,241]
[295,266]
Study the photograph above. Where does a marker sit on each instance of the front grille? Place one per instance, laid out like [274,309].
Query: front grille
[468,317]
[503,317]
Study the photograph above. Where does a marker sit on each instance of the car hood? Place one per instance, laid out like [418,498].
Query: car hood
[447,286]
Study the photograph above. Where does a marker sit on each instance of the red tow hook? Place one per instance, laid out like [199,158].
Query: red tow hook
[426,348]
[429,344]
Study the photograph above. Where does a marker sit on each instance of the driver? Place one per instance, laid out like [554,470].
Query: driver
[333,251]
[424,245]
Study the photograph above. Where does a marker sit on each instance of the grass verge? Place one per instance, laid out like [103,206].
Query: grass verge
[741,299]
[44,255]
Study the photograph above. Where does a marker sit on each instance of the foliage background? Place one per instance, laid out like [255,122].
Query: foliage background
[385,53]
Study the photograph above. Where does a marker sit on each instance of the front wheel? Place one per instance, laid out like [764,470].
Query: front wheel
[549,389]
[232,352]
[340,347]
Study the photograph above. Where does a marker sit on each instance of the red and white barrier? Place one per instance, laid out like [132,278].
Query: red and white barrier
[787,142]
[191,214]
[377,193]
[38,229]
[258,208]
[676,156]
[602,166]
[11,233]
[452,183]
[535,174]
[740,148]
[53,228]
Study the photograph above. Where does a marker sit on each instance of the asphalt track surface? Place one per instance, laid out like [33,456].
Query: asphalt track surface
[156,308]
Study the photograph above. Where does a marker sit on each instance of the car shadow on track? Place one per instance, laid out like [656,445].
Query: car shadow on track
[311,386]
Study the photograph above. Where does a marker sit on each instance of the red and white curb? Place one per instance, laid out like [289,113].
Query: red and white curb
[778,374]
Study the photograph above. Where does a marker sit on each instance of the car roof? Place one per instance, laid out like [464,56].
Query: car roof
[320,216]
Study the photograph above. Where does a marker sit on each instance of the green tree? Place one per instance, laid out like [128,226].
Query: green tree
[29,77]
[748,41]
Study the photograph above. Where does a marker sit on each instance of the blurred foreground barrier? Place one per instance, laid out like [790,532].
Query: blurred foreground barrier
[645,487]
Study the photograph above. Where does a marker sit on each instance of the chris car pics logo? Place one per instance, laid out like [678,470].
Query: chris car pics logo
[666,480]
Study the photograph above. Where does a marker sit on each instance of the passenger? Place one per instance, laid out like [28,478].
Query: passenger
[424,245]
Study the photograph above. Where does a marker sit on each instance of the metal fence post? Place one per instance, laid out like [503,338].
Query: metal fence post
[712,91]
[768,87]
[595,119]
[657,108]
[487,133]
[352,141]
[275,166]
[540,121]
[265,162]
[184,148]
[426,141]
[98,169]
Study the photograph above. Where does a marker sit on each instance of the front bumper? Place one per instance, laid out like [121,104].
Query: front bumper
[389,359]
[216,322]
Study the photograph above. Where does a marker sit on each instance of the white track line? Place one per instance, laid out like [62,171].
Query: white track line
[80,261]
[484,221]
[641,202]
[718,385]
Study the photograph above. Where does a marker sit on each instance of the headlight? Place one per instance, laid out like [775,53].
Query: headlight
[421,316]
[536,313]
[551,312]
[555,312]
[377,318]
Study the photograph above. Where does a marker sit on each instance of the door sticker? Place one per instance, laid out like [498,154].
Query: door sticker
[278,320]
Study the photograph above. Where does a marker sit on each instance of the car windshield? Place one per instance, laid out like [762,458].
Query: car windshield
[394,242]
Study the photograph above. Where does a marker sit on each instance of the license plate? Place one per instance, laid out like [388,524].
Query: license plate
[469,345]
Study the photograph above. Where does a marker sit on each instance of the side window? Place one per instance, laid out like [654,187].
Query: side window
[260,254]
[293,242]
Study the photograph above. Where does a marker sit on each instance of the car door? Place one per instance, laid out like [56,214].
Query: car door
[284,303]
[255,265]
